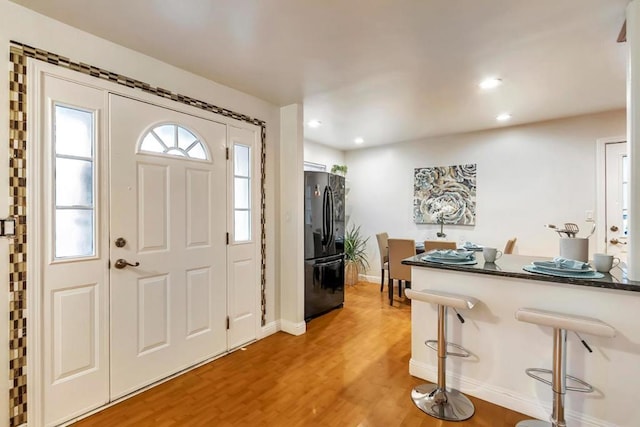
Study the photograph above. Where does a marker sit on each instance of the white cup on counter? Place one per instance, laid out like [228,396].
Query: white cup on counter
[604,262]
[491,254]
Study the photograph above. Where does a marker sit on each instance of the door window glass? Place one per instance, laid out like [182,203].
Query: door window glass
[242,192]
[173,140]
[74,182]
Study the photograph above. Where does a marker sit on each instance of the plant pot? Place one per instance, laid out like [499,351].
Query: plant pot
[351,273]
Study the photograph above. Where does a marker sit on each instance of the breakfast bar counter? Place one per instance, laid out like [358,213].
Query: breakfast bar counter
[502,347]
[511,266]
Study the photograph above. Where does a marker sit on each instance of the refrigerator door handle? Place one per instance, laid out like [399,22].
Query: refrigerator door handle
[331,216]
[325,202]
[327,217]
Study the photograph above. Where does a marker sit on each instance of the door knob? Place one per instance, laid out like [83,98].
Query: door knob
[122,263]
[614,228]
[615,241]
[120,242]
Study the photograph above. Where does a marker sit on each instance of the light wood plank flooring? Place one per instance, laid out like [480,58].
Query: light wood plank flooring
[349,369]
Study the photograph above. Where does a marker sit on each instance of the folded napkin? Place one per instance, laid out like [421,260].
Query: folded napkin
[471,245]
[449,254]
[570,264]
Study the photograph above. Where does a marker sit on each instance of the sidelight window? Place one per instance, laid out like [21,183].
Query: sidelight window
[242,192]
[74,182]
[173,140]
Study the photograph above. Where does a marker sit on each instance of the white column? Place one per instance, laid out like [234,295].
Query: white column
[633,135]
[291,245]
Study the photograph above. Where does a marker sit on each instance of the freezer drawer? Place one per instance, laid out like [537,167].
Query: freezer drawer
[323,285]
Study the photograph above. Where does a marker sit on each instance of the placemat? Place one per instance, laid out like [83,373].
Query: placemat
[589,275]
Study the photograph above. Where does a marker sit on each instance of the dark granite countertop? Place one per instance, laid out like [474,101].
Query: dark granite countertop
[511,266]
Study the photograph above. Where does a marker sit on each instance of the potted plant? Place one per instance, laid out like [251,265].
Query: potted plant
[339,170]
[355,254]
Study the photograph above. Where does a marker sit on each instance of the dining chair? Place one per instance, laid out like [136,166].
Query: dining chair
[508,248]
[430,245]
[383,248]
[400,249]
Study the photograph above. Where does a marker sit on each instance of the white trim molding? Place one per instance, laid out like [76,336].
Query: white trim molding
[269,329]
[292,327]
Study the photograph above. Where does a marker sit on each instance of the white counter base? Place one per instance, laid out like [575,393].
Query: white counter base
[502,348]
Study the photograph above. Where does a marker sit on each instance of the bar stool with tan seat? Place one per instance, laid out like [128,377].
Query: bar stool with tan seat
[436,399]
[561,323]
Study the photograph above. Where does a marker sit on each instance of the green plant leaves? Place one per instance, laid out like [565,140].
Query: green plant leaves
[355,246]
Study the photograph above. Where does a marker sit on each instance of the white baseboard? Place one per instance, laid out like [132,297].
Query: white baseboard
[293,328]
[368,278]
[269,329]
[503,397]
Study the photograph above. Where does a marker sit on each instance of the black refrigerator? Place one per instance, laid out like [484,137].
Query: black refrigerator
[324,218]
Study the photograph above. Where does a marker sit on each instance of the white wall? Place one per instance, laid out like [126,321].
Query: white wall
[322,154]
[23,25]
[527,176]
[291,221]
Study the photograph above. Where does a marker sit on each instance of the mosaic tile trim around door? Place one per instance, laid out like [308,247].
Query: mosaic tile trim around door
[17,246]
[17,200]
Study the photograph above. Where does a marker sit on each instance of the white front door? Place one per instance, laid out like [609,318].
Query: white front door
[112,178]
[168,205]
[617,199]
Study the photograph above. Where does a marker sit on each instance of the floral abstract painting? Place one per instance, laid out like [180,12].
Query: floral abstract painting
[445,195]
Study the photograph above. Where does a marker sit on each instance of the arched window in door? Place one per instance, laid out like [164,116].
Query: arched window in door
[173,140]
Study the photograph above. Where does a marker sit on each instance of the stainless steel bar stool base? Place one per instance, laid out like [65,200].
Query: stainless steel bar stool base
[534,373]
[533,423]
[433,345]
[448,405]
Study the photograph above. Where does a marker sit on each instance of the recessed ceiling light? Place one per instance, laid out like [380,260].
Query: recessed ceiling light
[503,117]
[490,83]
[358,140]
[314,123]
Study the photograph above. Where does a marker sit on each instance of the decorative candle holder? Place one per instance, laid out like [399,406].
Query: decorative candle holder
[441,232]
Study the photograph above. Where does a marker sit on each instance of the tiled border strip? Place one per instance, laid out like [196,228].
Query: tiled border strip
[17,188]
[17,246]
[263,227]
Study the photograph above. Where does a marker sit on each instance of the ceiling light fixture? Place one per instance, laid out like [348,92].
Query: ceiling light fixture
[358,140]
[490,83]
[503,117]
[314,123]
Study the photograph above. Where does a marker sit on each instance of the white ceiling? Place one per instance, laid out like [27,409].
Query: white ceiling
[385,70]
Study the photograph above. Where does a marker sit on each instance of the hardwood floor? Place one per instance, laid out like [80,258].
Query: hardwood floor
[349,369]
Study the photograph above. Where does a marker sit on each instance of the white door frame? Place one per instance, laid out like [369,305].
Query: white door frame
[601,193]
[35,69]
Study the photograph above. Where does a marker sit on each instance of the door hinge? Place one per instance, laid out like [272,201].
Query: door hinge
[228,322]
[227,151]
[227,238]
